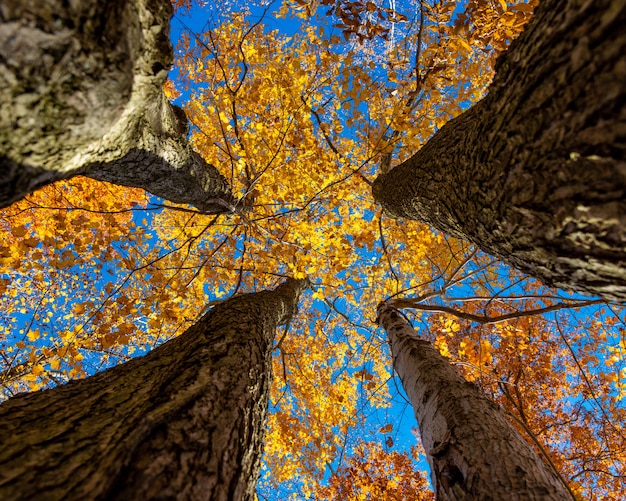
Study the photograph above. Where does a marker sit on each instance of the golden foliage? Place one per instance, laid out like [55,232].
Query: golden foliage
[300,124]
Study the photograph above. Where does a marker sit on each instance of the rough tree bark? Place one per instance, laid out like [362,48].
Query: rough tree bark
[186,421]
[81,93]
[473,450]
[535,173]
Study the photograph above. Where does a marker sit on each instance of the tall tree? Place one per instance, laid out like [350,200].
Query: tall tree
[84,264]
[188,419]
[535,172]
[473,451]
[82,93]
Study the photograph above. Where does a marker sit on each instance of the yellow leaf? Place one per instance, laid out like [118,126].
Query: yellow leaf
[464,44]
[18,231]
[388,428]
[30,242]
[523,7]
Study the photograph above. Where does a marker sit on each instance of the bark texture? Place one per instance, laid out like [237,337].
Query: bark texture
[186,421]
[535,173]
[473,450]
[81,92]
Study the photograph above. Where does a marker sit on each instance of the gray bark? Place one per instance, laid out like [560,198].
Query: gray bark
[186,421]
[535,173]
[81,92]
[473,450]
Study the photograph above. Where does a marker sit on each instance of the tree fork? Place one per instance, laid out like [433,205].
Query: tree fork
[474,452]
[535,173]
[81,88]
[186,421]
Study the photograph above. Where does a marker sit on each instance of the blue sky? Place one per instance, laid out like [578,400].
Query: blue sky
[493,280]
[399,414]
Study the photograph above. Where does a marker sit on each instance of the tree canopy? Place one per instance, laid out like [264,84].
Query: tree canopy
[300,105]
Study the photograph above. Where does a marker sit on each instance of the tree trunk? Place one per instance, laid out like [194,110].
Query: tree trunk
[186,421]
[81,93]
[535,173]
[473,451]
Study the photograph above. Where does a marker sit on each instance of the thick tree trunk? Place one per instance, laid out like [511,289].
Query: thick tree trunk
[473,451]
[535,173]
[81,93]
[186,421]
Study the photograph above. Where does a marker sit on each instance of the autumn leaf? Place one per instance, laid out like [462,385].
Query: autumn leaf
[300,124]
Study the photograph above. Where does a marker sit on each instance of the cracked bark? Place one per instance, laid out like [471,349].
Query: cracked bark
[473,450]
[186,421]
[81,93]
[535,173]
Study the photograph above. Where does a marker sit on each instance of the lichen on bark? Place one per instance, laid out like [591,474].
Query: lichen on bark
[81,92]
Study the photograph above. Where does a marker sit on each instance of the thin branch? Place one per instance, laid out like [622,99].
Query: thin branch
[385,250]
[243,256]
[543,451]
[607,419]
[485,320]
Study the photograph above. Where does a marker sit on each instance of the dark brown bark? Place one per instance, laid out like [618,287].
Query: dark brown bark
[186,421]
[473,450]
[81,93]
[535,173]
